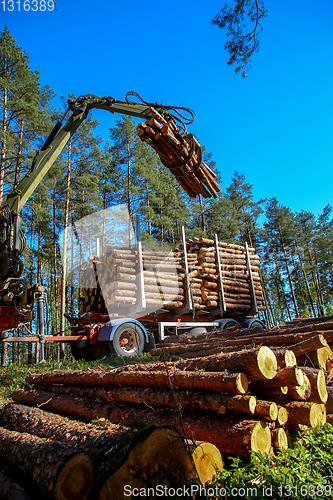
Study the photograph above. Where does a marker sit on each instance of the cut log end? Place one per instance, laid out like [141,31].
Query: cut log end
[261,438]
[279,439]
[282,415]
[207,460]
[267,362]
[242,383]
[290,358]
[162,458]
[321,386]
[75,479]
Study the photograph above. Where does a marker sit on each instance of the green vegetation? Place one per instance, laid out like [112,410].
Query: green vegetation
[301,472]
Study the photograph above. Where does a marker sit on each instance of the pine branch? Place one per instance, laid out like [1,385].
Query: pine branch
[241,46]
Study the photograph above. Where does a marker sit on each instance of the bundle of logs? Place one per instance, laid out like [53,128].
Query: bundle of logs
[56,457]
[181,154]
[241,392]
[113,282]
[234,271]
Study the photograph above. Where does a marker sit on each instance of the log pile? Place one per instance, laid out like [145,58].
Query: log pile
[67,459]
[212,392]
[113,283]
[181,154]
[243,397]
[234,273]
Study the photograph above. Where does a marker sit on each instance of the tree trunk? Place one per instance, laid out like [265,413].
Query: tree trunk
[230,435]
[222,382]
[4,141]
[19,155]
[289,275]
[59,469]
[64,256]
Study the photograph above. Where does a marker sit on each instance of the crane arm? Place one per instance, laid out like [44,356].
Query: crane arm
[59,137]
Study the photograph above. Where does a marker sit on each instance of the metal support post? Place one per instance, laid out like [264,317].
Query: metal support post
[189,298]
[219,277]
[41,323]
[142,298]
[254,309]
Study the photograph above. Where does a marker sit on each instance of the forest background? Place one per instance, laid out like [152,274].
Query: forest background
[95,173]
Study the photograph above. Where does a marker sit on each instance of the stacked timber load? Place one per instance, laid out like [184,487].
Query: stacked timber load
[67,459]
[237,293]
[182,155]
[117,279]
[114,280]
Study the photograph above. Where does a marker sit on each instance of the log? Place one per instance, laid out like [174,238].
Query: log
[94,440]
[317,359]
[300,392]
[282,416]
[318,384]
[266,410]
[290,376]
[309,345]
[207,460]
[279,439]
[222,382]
[204,401]
[161,458]
[60,470]
[165,399]
[304,413]
[259,363]
[284,357]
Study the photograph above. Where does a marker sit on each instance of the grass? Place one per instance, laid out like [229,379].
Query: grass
[13,376]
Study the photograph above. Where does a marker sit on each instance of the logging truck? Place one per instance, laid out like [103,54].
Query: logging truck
[132,327]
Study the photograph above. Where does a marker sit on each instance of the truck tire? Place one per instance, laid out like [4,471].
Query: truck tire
[128,340]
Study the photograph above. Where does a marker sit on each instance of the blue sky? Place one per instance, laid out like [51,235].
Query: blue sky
[274,126]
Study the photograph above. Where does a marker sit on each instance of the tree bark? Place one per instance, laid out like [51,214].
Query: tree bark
[59,469]
[223,382]
[304,413]
[64,256]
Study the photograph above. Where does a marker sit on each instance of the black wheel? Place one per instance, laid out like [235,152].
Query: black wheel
[257,324]
[77,352]
[97,351]
[128,340]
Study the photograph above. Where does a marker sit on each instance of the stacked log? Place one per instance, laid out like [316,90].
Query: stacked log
[113,283]
[117,280]
[182,155]
[57,469]
[234,272]
[211,392]
[134,453]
